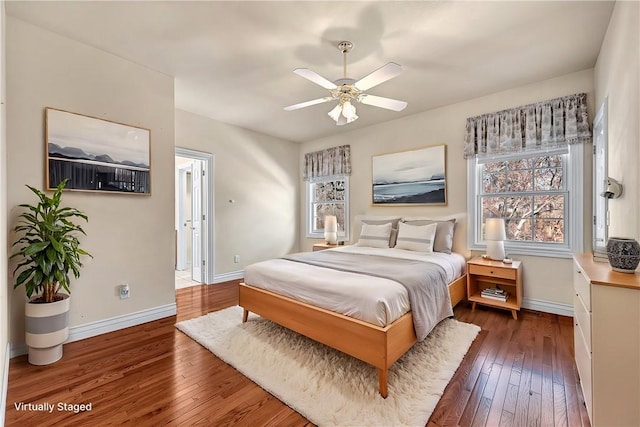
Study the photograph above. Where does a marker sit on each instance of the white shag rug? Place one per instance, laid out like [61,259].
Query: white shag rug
[326,386]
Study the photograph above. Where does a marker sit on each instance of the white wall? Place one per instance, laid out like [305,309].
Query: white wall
[4,284]
[617,76]
[260,174]
[545,279]
[130,236]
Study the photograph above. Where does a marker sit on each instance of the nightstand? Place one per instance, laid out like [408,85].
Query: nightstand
[484,273]
[323,246]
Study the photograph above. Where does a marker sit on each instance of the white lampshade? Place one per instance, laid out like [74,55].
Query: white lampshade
[495,234]
[331,229]
[494,229]
[335,113]
[349,112]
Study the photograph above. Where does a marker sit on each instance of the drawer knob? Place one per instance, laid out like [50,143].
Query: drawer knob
[491,271]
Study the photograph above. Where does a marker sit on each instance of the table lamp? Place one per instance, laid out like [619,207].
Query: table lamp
[495,235]
[331,229]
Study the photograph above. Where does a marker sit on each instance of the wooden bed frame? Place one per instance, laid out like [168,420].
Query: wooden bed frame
[376,345]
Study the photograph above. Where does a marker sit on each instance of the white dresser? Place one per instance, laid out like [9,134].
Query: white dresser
[607,341]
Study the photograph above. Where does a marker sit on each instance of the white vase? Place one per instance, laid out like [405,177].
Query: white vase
[46,329]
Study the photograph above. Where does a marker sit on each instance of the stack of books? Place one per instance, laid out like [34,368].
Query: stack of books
[495,293]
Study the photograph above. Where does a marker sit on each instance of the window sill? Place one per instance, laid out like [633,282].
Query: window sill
[539,252]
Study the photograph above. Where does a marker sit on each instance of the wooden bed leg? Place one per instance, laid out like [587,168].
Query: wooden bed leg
[245,315]
[382,382]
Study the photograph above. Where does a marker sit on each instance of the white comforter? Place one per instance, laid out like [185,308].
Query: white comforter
[372,299]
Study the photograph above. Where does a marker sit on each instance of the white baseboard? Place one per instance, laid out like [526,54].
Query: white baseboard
[225,277]
[5,384]
[548,306]
[100,327]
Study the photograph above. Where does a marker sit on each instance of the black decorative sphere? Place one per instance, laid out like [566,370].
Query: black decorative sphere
[623,254]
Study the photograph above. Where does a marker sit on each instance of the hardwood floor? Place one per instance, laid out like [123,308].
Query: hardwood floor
[517,373]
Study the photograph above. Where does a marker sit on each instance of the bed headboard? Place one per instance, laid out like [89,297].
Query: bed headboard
[459,236]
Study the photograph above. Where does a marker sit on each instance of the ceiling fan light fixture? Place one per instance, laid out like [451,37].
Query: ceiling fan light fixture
[343,113]
[336,112]
[349,112]
[341,121]
[345,90]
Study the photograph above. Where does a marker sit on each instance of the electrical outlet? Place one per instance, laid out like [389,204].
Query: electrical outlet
[236,258]
[124,291]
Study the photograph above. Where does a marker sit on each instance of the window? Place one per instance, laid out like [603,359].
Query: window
[537,194]
[328,197]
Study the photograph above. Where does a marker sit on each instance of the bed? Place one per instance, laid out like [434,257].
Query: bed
[304,295]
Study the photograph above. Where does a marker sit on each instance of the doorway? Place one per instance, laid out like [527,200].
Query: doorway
[194,222]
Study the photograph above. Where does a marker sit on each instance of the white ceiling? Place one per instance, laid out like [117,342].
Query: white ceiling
[233,61]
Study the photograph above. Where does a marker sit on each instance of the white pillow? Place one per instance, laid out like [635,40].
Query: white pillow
[443,242]
[416,237]
[378,219]
[375,236]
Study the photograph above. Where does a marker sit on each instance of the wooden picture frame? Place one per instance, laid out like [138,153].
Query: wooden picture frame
[413,177]
[96,154]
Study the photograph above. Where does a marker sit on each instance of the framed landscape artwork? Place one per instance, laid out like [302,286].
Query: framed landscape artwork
[96,154]
[416,177]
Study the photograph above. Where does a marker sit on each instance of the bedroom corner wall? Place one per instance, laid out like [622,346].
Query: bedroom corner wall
[259,173]
[4,284]
[617,74]
[130,236]
[546,280]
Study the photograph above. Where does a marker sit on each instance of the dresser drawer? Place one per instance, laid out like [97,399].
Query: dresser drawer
[483,270]
[582,320]
[583,363]
[582,285]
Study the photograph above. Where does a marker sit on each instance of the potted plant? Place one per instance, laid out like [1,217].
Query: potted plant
[49,250]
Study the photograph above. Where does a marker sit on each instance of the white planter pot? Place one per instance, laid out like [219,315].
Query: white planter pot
[46,328]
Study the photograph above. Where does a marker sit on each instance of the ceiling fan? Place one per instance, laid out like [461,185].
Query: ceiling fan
[347,90]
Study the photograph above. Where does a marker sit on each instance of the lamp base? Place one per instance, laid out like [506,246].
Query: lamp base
[495,250]
[331,237]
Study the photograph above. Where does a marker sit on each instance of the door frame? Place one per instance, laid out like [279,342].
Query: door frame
[181,256]
[208,232]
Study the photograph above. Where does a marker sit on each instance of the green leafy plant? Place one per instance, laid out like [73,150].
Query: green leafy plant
[48,246]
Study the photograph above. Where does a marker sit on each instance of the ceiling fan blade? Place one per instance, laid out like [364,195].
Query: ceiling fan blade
[315,77]
[308,103]
[381,75]
[379,101]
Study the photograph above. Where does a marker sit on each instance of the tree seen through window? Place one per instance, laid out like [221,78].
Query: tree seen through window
[530,194]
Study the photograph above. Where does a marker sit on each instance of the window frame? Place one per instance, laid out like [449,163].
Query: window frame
[319,234]
[573,166]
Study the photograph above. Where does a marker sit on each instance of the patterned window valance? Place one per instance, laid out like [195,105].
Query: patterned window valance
[539,126]
[323,164]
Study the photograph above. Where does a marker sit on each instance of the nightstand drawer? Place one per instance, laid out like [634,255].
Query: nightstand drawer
[490,271]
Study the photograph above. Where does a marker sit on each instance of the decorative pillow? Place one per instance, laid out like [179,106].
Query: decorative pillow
[375,236]
[416,237]
[444,233]
[393,237]
[381,220]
